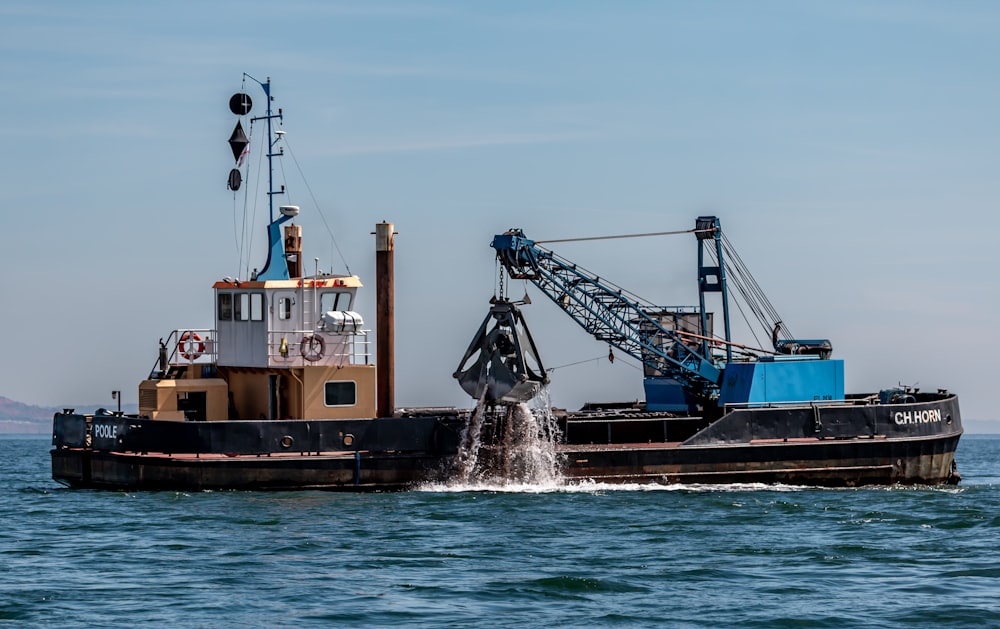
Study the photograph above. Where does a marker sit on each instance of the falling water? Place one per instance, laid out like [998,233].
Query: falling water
[468,449]
[509,445]
[530,447]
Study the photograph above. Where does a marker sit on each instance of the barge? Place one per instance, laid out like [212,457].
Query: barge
[283,392]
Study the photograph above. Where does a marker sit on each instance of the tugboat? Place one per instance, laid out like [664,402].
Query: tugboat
[282,393]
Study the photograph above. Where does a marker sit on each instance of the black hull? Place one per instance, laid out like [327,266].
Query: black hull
[111,452]
[841,463]
[837,445]
[347,471]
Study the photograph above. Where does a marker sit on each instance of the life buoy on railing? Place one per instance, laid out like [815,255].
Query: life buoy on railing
[312,347]
[190,345]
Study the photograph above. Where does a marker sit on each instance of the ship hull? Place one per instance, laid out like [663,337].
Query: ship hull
[840,463]
[831,445]
[130,453]
[848,443]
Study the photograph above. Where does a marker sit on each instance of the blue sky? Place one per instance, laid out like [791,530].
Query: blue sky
[851,150]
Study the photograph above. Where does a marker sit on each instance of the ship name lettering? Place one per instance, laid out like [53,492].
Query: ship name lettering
[106,431]
[903,418]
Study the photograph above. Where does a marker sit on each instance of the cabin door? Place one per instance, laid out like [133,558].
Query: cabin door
[286,322]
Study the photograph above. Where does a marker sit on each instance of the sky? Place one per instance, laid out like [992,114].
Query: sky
[850,149]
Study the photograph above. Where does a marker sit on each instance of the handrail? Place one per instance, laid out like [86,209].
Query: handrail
[785,403]
[316,347]
[191,346]
[185,346]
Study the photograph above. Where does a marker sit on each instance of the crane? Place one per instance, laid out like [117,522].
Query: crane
[685,362]
[674,344]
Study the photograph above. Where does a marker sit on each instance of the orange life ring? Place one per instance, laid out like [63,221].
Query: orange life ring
[312,347]
[190,345]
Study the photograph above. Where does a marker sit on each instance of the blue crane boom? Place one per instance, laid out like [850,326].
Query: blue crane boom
[674,344]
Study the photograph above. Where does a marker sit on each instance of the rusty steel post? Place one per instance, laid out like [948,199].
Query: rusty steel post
[293,250]
[385,359]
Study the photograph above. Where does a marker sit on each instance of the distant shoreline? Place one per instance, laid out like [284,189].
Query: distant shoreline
[23,428]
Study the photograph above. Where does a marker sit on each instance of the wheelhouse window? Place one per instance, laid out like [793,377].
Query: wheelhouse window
[334,301]
[285,308]
[225,306]
[340,393]
[242,310]
[248,307]
[256,307]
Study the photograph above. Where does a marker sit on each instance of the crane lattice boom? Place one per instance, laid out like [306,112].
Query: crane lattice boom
[611,314]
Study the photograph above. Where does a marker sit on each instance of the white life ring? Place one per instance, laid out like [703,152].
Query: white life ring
[312,347]
[190,345]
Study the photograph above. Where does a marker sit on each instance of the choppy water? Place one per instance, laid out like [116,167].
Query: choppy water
[526,556]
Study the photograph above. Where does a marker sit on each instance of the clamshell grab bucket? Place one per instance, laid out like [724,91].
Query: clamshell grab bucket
[502,364]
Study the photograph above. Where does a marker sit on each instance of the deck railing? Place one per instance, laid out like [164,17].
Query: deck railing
[304,348]
[732,406]
[185,347]
[293,348]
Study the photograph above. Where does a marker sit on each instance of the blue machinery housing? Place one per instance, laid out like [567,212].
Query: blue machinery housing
[783,379]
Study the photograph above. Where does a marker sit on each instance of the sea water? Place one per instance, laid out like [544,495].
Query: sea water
[512,555]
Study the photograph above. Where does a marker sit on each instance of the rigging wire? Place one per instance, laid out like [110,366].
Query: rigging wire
[243,227]
[623,291]
[237,240]
[752,285]
[333,238]
[671,233]
[753,329]
[248,227]
[579,362]
[240,271]
[740,277]
[642,301]
[243,235]
[246,239]
[237,228]
[598,359]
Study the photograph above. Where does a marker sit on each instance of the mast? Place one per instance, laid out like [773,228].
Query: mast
[275,250]
[271,141]
[712,279]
